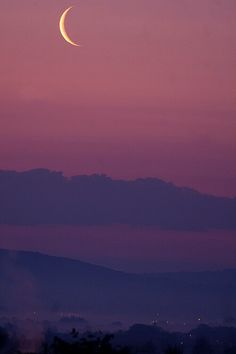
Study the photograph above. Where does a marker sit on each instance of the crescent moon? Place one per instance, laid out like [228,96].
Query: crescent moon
[63,30]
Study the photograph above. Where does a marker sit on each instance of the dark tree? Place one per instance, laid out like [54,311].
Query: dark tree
[3,338]
[88,345]
[231,350]
[202,346]
[174,350]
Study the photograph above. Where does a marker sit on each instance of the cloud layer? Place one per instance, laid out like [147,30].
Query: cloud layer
[45,197]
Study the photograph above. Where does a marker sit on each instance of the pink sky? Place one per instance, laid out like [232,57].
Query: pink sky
[151,92]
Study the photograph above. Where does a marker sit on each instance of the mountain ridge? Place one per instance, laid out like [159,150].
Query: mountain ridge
[73,260]
[36,282]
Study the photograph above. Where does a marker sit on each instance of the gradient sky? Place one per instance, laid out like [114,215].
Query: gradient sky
[151,92]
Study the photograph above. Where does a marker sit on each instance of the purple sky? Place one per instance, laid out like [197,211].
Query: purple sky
[150,93]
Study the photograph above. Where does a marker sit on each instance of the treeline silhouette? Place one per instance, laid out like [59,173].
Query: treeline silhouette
[41,196]
[91,345]
[99,343]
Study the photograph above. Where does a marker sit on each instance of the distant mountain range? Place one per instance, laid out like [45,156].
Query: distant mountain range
[45,197]
[32,282]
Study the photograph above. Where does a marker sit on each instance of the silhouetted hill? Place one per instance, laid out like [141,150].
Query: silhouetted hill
[35,282]
[44,197]
[152,339]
